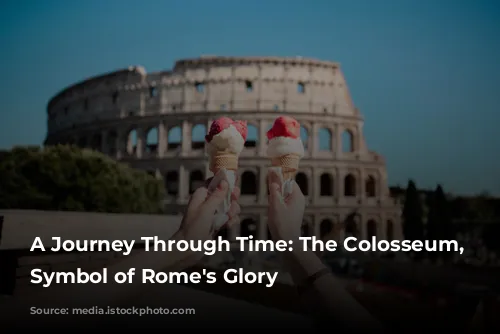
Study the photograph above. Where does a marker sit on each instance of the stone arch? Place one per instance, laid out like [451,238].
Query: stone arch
[371,228]
[337,228]
[248,227]
[174,137]
[114,97]
[301,88]
[304,136]
[132,142]
[305,229]
[252,136]
[302,182]
[172,182]
[96,142]
[325,139]
[349,185]
[389,230]
[326,184]
[196,180]
[249,184]
[347,141]
[351,225]
[152,140]
[325,228]
[198,136]
[370,186]
[111,139]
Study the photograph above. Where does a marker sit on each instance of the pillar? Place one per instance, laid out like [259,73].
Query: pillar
[183,184]
[162,140]
[186,137]
[382,228]
[338,141]
[262,137]
[315,139]
[362,185]
[141,141]
[316,220]
[121,144]
[262,184]
[316,186]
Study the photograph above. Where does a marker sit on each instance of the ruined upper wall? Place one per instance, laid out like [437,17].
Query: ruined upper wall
[101,82]
[206,84]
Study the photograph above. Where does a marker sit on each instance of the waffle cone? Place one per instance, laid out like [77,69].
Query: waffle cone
[289,164]
[223,160]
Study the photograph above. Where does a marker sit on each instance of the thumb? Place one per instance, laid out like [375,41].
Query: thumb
[196,200]
[275,197]
[296,197]
[216,198]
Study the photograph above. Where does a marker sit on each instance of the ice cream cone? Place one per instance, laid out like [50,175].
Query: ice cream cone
[289,164]
[223,160]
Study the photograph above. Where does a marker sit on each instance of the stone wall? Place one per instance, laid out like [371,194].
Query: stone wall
[157,122]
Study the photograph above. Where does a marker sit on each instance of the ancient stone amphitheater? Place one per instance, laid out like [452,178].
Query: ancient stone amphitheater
[157,122]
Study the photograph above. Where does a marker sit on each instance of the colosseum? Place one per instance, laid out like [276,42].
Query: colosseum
[157,122]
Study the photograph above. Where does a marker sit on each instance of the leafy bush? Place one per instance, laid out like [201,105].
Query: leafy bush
[68,178]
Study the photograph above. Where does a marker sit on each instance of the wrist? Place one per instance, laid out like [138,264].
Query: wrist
[186,258]
[306,260]
[285,233]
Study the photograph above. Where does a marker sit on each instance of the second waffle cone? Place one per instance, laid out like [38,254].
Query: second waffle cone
[289,164]
[222,160]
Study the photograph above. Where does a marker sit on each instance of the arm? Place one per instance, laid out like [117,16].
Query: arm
[326,297]
[196,225]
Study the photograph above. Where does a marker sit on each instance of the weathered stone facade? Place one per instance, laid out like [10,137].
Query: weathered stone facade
[156,121]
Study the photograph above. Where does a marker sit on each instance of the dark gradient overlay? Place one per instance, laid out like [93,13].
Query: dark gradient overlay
[404,302]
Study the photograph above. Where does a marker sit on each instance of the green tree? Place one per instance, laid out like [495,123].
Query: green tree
[67,178]
[412,213]
[482,207]
[439,225]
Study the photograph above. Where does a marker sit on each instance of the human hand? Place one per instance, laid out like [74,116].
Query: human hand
[285,215]
[198,222]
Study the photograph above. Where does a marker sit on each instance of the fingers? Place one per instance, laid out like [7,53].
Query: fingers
[207,181]
[216,198]
[233,222]
[234,210]
[296,191]
[196,200]
[275,197]
[274,176]
[235,196]
[296,197]
[230,223]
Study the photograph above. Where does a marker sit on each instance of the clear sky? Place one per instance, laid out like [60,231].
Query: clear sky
[425,74]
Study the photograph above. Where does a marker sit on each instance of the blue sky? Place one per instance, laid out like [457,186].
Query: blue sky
[423,73]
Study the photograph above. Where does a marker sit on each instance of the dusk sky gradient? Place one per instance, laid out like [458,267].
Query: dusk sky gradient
[425,74]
